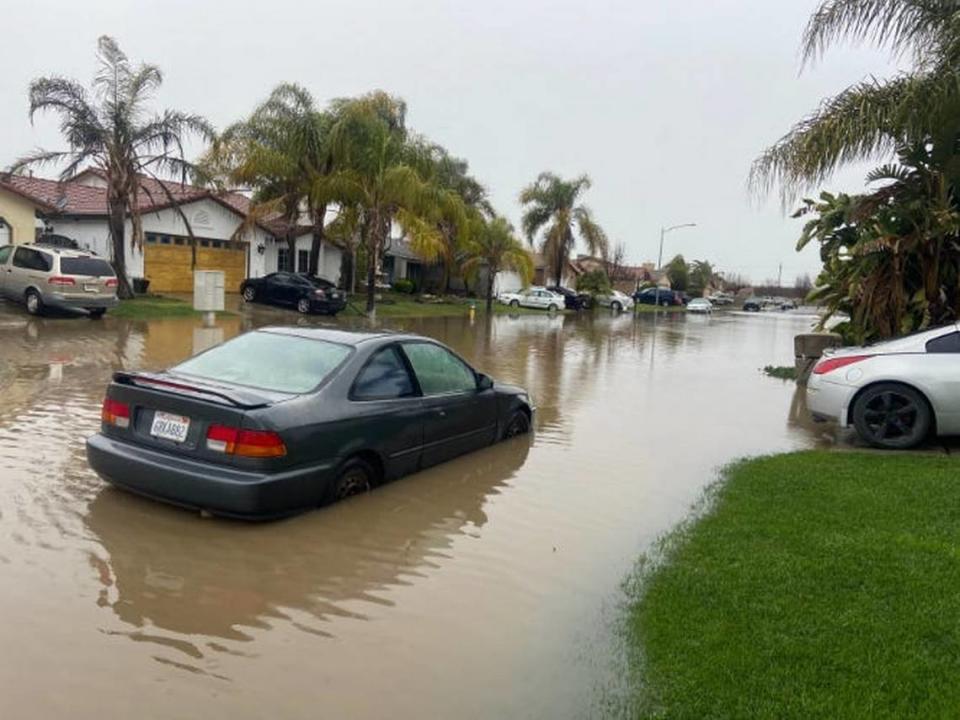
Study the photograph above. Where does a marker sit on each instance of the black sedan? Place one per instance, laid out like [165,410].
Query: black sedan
[283,419]
[652,296]
[307,293]
[571,299]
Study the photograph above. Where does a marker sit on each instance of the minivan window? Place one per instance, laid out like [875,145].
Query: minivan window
[5,254]
[32,260]
[268,360]
[87,266]
[385,377]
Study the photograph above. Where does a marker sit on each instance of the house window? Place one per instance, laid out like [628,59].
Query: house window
[151,238]
[303,260]
[165,240]
[204,243]
[178,241]
[283,258]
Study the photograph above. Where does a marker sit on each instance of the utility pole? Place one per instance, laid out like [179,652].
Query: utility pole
[780,277]
[664,231]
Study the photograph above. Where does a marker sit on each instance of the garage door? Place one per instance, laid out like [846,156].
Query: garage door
[167,267]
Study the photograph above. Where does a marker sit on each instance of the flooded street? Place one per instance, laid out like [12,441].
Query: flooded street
[486,587]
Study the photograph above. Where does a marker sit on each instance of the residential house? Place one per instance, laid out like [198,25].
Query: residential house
[217,220]
[19,216]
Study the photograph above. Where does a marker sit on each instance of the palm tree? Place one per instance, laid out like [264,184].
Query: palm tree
[282,151]
[111,130]
[377,173]
[552,206]
[873,118]
[494,246]
[701,274]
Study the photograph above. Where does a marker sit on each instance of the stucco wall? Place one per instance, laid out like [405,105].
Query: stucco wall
[20,215]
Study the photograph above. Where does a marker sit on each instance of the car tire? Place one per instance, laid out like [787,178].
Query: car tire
[249,294]
[303,306]
[519,424]
[616,307]
[355,477]
[552,307]
[34,302]
[96,313]
[664,303]
[892,416]
[514,303]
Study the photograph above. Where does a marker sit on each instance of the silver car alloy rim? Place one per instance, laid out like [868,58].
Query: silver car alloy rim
[33,304]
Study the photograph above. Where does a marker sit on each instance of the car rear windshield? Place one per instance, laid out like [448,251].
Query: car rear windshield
[268,360]
[91,267]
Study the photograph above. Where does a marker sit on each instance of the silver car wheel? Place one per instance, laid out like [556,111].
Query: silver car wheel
[33,302]
[303,306]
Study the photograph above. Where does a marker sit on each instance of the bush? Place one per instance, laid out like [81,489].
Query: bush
[404,286]
[594,282]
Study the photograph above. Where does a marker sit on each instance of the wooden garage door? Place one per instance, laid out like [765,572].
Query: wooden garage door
[167,267]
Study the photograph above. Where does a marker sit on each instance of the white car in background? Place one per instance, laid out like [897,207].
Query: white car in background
[534,297]
[700,305]
[894,393]
[616,301]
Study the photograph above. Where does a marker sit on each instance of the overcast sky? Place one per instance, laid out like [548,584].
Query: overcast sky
[664,104]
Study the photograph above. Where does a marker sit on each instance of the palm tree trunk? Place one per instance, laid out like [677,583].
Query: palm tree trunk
[320,215]
[291,251]
[491,276]
[116,224]
[372,242]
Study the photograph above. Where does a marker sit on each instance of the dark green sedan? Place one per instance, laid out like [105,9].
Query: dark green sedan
[283,419]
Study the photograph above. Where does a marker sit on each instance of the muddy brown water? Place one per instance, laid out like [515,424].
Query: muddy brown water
[484,588]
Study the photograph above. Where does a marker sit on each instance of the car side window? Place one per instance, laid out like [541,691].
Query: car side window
[384,377]
[31,260]
[945,344]
[438,370]
[5,254]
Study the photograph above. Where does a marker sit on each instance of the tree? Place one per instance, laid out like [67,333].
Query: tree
[614,261]
[873,118]
[110,129]
[803,283]
[891,258]
[377,173]
[552,207]
[678,273]
[595,282]
[701,275]
[494,246]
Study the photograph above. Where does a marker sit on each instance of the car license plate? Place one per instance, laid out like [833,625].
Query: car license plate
[90,288]
[170,427]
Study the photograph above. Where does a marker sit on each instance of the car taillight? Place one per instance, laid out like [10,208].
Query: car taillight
[246,443]
[319,293]
[60,280]
[835,363]
[111,282]
[115,413]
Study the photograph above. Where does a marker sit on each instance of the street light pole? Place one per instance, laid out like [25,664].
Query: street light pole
[664,231]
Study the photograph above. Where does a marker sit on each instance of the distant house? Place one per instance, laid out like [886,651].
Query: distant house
[19,216]
[224,240]
[400,262]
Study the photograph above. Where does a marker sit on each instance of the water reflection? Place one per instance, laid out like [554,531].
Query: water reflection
[173,571]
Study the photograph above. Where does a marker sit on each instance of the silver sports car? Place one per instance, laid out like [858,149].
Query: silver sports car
[894,393]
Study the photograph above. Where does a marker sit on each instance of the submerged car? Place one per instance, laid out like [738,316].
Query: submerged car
[534,297]
[279,420]
[306,293]
[700,305]
[894,393]
[571,298]
[753,304]
[47,277]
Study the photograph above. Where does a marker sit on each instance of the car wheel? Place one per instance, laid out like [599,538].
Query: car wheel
[303,306]
[514,303]
[664,303]
[616,307]
[356,477]
[892,416]
[34,302]
[249,294]
[519,424]
[96,313]
[552,307]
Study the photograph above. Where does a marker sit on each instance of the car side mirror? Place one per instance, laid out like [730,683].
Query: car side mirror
[484,382]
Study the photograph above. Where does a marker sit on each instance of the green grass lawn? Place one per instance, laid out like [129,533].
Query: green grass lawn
[816,585]
[406,306]
[781,372]
[154,306]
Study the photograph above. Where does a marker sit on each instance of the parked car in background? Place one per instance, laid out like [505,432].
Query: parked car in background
[615,300]
[47,277]
[753,304]
[700,305]
[534,297]
[571,298]
[651,296]
[306,293]
[721,298]
[894,393]
[285,419]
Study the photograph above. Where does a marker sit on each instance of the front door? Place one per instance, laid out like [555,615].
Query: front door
[458,417]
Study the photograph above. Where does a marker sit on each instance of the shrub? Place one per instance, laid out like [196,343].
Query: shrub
[594,282]
[404,286]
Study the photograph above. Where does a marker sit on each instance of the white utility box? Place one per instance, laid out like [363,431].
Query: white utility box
[208,290]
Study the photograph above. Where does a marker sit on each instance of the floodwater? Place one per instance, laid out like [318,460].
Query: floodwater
[484,588]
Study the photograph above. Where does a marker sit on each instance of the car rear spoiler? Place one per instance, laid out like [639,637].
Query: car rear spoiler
[236,397]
